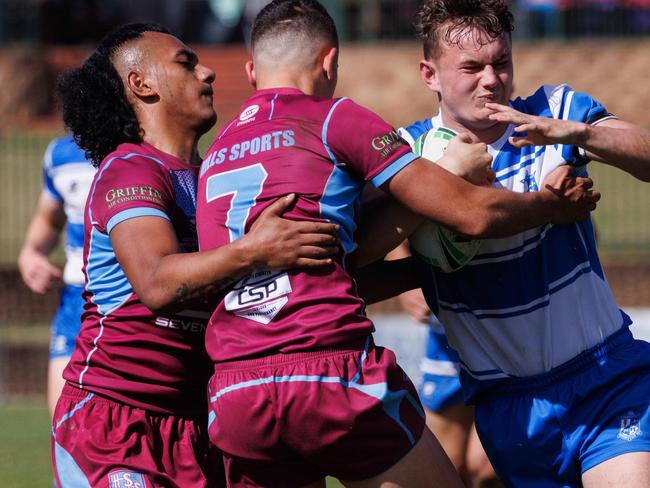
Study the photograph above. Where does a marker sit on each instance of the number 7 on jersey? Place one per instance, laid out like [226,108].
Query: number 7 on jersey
[245,185]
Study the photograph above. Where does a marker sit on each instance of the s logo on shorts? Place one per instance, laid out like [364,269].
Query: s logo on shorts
[126,479]
[630,428]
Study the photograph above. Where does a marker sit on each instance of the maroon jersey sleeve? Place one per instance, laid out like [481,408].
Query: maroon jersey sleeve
[128,187]
[364,142]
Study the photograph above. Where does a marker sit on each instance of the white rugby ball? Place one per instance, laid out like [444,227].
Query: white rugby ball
[431,242]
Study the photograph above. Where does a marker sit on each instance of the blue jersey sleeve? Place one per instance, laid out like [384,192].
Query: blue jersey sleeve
[564,103]
[48,181]
[411,132]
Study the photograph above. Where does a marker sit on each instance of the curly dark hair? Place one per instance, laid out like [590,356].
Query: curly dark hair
[95,108]
[307,17]
[456,16]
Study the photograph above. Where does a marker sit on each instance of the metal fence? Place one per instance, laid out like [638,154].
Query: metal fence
[21,155]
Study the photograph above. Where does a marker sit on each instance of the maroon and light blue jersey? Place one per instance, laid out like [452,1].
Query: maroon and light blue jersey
[125,351]
[324,151]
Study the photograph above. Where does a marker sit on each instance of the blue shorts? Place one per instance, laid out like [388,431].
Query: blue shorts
[66,322]
[547,430]
[439,387]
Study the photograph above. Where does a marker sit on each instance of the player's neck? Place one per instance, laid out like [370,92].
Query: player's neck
[181,144]
[305,83]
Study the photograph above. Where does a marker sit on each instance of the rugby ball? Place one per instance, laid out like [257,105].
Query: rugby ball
[434,244]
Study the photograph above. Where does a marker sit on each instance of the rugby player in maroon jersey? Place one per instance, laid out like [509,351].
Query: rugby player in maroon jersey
[133,410]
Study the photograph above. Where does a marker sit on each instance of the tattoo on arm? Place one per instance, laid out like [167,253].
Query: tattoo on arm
[187,294]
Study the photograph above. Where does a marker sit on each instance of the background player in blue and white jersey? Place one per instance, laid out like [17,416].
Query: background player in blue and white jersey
[66,180]
[561,388]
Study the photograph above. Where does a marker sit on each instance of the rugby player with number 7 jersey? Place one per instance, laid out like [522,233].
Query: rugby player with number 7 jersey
[299,389]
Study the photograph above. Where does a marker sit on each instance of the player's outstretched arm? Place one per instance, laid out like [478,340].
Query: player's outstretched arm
[42,237]
[166,280]
[615,142]
[481,212]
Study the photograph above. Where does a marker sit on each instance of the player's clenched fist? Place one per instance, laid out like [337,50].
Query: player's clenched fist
[468,160]
[574,195]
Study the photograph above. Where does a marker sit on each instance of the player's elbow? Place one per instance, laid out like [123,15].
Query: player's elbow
[474,225]
[157,300]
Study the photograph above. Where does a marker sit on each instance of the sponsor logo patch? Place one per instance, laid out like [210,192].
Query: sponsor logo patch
[630,428]
[116,196]
[126,479]
[186,324]
[387,143]
[260,296]
[249,112]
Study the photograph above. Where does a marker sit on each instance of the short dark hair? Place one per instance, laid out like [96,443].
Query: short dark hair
[95,107]
[306,17]
[489,16]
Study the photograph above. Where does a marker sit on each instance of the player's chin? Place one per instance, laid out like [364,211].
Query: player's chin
[480,120]
[207,121]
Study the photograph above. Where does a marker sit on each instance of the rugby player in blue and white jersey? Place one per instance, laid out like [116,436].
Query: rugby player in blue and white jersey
[447,416]
[561,388]
[66,180]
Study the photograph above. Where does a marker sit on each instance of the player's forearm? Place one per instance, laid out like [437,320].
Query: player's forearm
[501,213]
[627,147]
[386,279]
[42,236]
[468,210]
[189,280]
[484,212]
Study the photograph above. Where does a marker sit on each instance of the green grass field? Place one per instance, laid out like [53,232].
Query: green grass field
[25,447]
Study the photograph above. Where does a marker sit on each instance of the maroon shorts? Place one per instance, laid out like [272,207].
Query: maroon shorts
[291,419]
[97,442]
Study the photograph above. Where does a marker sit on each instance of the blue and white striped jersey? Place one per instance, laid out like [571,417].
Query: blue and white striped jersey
[67,176]
[527,303]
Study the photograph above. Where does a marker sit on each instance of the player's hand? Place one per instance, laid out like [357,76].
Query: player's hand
[37,272]
[573,196]
[468,160]
[284,243]
[535,130]
[415,306]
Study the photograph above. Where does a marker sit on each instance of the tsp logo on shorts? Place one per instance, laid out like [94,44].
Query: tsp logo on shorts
[630,428]
[126,479]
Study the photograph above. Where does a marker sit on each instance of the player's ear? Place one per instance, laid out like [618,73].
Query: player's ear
[429,74]
[331,63]
[139,85]
[250,73]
